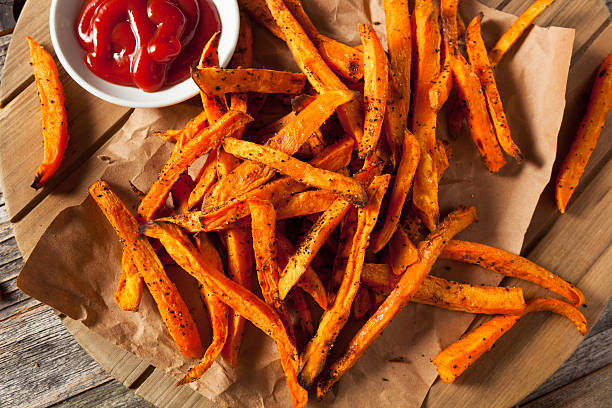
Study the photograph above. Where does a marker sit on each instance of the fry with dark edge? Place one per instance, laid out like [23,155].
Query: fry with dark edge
[510,37]
[249,306]
[172,308]
[53,111]
[398,24]
[405,289]
[394,124]
[305,203]
[335,317]
[300,171]
[442,86]
[477,54]
[401,252]
[456,358]
[375,89]
[201,144]
[129,288]
[219,81]
[507,264]
[586,138]
[180,193]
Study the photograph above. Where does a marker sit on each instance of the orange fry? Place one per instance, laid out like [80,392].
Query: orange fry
[180,192]
[401,294]
[129,289]
[53,110]
[205,180]
[401,252]
[305,203]
[394,124]
[172,308]
[219,81]
[335,317]
[398,24]
[588,133]
[362,303]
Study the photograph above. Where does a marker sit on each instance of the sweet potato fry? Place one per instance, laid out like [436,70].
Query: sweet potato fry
[53,110]
[215,105]
[201,144]
[477,117]
[320,76]
[219,81]
[403,291]
[441,155]
[401,185]
[336,183]
[477,54]
[249,176]
[180,192]
[335,317]
[305,203]
[376,88]
[394,124]
[362,303]
[588,133]
[508,264]
[249,306]
[441,88]
[205,180]
[129,289]
[172,135]
[425,190]
[510,37]
[310,245]
[456,358]
[456,117]
[172,308]
[243,54]
[218,312]
[398,24]
[303,313]
[401,252]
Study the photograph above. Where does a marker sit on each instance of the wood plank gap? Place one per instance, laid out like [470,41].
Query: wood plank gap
[82,159]
[7,31]
[59,402]
[503,4]
[141,378]
[24,311]
[15,92]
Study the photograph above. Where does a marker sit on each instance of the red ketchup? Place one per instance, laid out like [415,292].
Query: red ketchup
[145,43]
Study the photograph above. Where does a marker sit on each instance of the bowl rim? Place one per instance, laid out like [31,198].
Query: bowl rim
[174,94]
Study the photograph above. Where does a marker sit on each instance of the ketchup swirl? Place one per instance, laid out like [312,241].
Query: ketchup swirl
[145,43]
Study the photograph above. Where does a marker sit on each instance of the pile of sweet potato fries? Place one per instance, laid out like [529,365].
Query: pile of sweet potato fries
[353,169]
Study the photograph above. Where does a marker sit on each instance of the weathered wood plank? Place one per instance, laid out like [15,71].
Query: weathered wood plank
[111,394]
[161,390]
[4,44]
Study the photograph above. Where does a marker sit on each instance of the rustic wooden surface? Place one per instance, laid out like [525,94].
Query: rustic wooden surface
[41,364]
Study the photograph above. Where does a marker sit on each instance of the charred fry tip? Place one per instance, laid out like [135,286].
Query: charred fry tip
[36,184]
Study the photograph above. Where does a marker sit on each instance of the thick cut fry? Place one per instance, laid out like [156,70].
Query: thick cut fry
[508,264]
[219,81]
[214,105]
[249,176]
[401,294]
[451,295]
[516,30]
[401,252]
[441,88]
[310,245]
[401,185]
[129,289]
[180,192]
[343,59]
[398,24]
[218,312]
[172,308]
[588,133]
[376,88]
[425,190]
[205,180]
[304,315]
[243,55]
[249,306]
[394,124]
[442,153]
[201,144]
[456,358]
[240,263]
[477,115]
[362,303]
[477,54]
[305,173]
[335,317]
[306,203]
[320,76]
[53,109]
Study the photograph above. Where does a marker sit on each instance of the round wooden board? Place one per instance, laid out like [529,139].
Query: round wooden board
[522,360]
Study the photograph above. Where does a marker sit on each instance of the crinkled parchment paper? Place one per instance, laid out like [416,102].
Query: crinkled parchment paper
[76,264]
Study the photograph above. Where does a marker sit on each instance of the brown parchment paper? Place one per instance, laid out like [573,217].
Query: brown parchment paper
[76,264]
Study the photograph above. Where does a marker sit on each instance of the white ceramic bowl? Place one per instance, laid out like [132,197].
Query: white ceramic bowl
[62,19]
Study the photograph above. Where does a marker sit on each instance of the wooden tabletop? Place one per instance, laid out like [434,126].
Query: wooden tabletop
[41,364]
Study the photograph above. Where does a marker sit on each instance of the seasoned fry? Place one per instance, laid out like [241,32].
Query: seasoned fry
[180,192]
[441,88]
[172,308]
[218,312]
[206,179]
[335,317]
[403,291]
[170,135]
[249,306]
[394,124]
[129,289]
[201,144]
[376,79]
[477,116]
[310,245]
[219,81]
[403,181]
[508,264]
[425,190]
[214,105]
[516,30]
[398,24]
[456,358]
[362,303]
[303,313]
[320,76]
[401,253]
[249,176]
[586,138]
[443,151]
[336,183]
[477,54]
[53,110]
[305,203]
